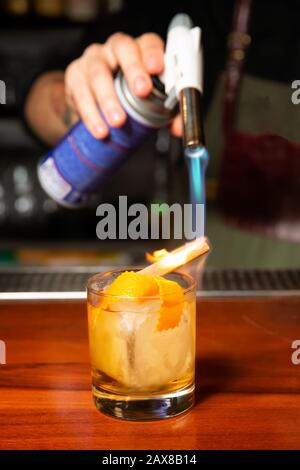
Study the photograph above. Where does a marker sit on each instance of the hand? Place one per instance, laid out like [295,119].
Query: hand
[89,83]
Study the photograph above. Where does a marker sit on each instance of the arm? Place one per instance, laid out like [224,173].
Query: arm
[45,107]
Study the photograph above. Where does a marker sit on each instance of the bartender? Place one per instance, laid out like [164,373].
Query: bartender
[58,98]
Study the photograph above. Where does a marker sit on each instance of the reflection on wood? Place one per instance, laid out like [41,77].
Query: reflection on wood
[247,386]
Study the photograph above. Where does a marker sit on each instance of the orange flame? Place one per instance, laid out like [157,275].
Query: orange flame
[156,255]
[164,262]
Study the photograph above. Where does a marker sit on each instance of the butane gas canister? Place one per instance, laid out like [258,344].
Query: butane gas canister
[76,169]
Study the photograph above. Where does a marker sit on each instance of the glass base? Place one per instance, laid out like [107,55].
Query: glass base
[144,408]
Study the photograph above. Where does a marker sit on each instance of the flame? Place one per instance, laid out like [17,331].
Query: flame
[164,262]
[156,255]
[173,260]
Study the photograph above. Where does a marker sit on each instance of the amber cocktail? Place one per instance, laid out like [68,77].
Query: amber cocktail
[142,344]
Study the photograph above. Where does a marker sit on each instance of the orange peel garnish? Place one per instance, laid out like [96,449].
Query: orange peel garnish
[140,286]
[131,284]
[172,298]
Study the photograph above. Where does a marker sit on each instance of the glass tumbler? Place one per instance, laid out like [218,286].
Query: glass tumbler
[142,350]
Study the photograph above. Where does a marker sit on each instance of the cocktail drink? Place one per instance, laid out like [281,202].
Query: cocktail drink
[142,343]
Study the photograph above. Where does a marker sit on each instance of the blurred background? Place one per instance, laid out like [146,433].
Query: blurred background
[34,230]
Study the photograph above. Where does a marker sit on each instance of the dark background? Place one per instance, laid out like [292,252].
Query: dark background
[36,36]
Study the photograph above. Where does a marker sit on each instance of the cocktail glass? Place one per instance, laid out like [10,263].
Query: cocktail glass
[142,350]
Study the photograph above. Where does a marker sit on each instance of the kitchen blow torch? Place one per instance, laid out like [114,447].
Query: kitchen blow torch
[183,76]
[183,79]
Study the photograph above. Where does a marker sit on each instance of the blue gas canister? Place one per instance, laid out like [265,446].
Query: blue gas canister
[76,169]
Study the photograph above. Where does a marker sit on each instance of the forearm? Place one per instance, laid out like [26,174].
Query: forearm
[45,107]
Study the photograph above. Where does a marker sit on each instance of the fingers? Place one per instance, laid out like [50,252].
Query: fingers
[78,87]
[176,126]
[101,83]
[152,51]
[89,80]
[128,55]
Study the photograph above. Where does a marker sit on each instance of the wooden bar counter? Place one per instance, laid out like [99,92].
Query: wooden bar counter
[247,385]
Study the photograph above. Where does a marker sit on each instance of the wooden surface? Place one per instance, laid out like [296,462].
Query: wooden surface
[247,387]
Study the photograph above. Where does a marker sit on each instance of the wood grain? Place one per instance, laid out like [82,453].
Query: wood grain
[247,387]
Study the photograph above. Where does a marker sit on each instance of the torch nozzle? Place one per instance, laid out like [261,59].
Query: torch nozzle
[190,107]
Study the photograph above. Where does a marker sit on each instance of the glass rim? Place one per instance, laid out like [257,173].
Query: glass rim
[101,292]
